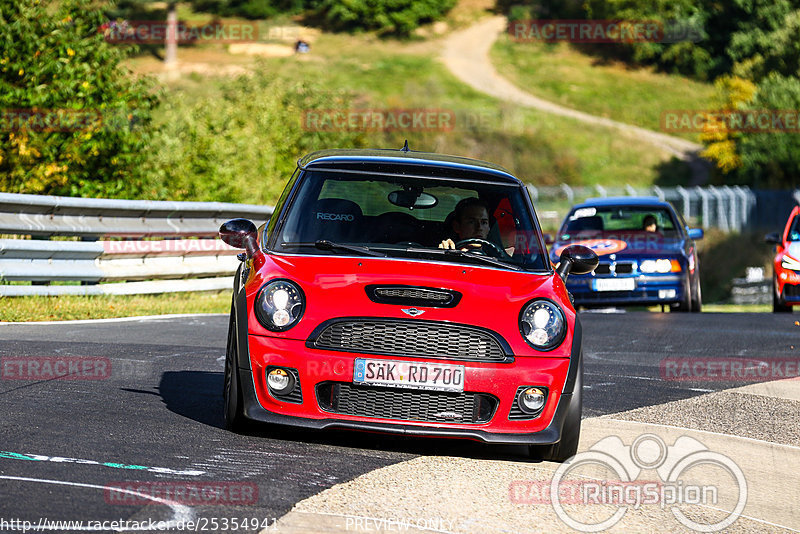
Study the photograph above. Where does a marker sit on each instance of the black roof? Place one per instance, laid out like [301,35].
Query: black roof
[622,201]
[388,160]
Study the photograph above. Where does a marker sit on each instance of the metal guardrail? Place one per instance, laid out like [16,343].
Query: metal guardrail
[187,257]
[731,209]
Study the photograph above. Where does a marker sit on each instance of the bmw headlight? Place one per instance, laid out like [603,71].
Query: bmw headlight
[279,305]
[660,266]
[542,324]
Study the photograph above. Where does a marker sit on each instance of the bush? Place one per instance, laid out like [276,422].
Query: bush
[240,143]
[88,131]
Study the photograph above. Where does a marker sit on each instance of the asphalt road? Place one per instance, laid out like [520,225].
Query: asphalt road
[156,417]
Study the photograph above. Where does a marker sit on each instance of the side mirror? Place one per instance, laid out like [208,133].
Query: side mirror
[548,239]
[695,233]
[773,239]
[577,259]
[240,233]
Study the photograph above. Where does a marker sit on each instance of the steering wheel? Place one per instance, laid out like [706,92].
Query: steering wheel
[493,249]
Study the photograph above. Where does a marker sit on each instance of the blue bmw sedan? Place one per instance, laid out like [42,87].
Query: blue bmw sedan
[647,254]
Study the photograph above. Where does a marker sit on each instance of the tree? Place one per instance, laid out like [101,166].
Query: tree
[73,121]
[772,158]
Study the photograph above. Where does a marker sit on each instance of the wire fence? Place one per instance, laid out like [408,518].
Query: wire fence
[731,209]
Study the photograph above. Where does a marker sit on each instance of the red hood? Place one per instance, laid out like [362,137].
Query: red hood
[335,287]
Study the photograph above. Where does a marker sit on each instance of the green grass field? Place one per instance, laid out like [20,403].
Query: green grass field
[561,74]
[101,307]
[378,74]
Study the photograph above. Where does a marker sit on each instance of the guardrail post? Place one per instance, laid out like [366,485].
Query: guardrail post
[601,190]
[630,190]
[685,196]
[705,207]
[722,220]
[659,193]
[744,206]
[569,193]
[733,218]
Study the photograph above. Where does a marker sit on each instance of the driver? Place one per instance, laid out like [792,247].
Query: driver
[470,221]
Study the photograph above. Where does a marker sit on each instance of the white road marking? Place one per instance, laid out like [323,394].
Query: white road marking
[180,513]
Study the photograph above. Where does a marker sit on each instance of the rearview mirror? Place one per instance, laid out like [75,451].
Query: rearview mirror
[413,199]
[240,233]
[695,233]
[577,259]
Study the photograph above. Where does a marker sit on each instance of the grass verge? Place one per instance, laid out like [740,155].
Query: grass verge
[66,308]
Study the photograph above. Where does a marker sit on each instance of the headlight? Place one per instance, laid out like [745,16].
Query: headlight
[790,263]
[542,324]
[660,266]
[279,305]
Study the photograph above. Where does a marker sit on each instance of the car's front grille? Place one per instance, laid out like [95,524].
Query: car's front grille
[619,268]
[790,290]
[406,404]
[413,296]
[623,268]
[421,339]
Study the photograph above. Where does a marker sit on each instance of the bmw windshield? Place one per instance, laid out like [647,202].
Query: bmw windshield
[391,215]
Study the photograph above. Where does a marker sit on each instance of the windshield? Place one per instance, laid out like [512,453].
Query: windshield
[607,221]
[794,230]
[355,213]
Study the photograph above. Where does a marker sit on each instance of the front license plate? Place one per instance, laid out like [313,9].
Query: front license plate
[613,284]
[416,375]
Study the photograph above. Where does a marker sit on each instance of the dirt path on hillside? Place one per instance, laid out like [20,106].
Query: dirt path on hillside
[466,54]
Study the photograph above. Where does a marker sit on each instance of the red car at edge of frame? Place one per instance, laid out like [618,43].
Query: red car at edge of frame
[786,264]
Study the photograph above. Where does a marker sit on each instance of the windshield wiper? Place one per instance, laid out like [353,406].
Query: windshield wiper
[461,254]
[324,244]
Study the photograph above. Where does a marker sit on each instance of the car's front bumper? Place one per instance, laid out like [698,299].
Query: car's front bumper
[500,380]
[649,290]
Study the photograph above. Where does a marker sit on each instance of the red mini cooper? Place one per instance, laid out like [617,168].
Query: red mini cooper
[405,292]
[786,264]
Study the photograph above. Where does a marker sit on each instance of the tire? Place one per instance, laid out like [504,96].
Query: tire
[235,421]
[777,305]
[570,433]
[685,305]
[697,295]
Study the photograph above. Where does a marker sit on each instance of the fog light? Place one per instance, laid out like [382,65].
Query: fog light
[531,400]
[280,381]
[666,293]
